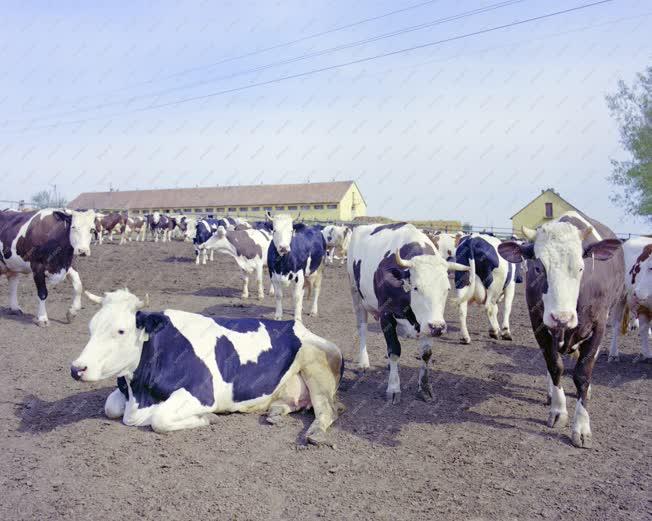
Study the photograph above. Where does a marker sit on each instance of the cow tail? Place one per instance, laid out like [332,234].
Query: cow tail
[624,322]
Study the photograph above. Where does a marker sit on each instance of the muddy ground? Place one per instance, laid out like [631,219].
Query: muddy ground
[481,450]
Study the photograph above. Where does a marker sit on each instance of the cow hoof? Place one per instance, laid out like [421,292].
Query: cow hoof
[318,439]
[613,358]
[393,398]
[425,393]
[506,335]
[261,297]
[41,322]
[581,440]
[643,360]
[244,296]
[360,371]
[548,400]
[493,334]
[465,341]
[557,419]
[70,316]
[16,311]
[278,317]
[274,419]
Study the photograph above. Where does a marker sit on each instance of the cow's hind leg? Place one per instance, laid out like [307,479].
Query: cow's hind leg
[492,314]
[463,308]
[245,284]
[180,411]
[13,279]
[77,293]
[362,317]
[505,331]
[259,281]
[581,433]
[293,397]
[42,292]
[619,313]
[644,333]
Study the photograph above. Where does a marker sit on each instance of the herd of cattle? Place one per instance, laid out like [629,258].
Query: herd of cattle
[174,369]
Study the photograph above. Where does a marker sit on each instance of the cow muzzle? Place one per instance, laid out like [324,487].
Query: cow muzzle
[77,372]
[283,250]
[562,320]
[437,328]
[83,252]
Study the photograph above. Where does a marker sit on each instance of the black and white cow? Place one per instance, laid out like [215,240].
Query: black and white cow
[202,231]
[397,275]
[161,225]
[490,280]
[44,244]
[338,239]
[176,368]
[297,254]
[575,276]
[249,249]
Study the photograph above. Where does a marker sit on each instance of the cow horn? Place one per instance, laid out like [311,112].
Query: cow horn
[529,233]
[268,216]
[584,234]
[93,298]
[402,262]
[145,302]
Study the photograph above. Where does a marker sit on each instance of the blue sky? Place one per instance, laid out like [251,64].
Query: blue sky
[471,129]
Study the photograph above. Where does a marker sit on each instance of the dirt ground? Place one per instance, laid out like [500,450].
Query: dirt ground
[481,450]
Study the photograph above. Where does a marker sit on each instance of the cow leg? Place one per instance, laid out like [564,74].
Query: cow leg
[616,317]
[13,279]
[122,238]
[463,308]
[271,289]
[581,434]
[424,390]
[245,287]
[115,404]
[361,316]
[293,397]
[204,256]
[77,294]
[42,292]
[322,386]
[558,416]
[492,314]
[644,333]
[298,297]
[212,254]
[316,283]
[259,281]
[278,296]
[180,411]
[388,324]
[505,331]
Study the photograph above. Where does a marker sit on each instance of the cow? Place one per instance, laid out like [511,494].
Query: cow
[111,223]
[174,368]
[249,249]
[137,225]
[203,230]
[575,276]
[187,227]
[44,243]
[296,254]
[161,225]
[490,280]
[638,283]
[397,275]
[445,243]
[337,241]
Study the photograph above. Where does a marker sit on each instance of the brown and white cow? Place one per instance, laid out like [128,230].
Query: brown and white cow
[110,223]
[136,225]
[44,244]
[638,283]
[575,277]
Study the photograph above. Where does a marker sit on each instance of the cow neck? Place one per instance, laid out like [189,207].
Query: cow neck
[140,342]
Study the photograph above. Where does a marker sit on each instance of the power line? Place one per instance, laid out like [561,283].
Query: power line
[295,59]
[328,68]
[259,51]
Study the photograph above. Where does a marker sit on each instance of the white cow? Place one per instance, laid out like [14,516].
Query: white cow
[337,239]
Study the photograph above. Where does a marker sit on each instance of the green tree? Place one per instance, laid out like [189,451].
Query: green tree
[631,106]
[45,199]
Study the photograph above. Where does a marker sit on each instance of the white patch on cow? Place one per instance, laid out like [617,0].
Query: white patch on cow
[581,421]
[115,404]
[394,381]
[557,401]
[55,278]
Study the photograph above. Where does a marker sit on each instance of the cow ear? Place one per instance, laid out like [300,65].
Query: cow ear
[602,250]
[61,214]
[150,322]
[392,277]
[513,252]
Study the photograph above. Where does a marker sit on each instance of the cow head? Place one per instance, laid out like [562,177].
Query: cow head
[282,225]
[428,287]
[82,224]
[556,258]
[115,344]
[640,275]
[190,229]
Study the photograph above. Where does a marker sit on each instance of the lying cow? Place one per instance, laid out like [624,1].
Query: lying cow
[249,249]
[43,243]
[575,276]
[638,283]
[490,280]
[297,255]
[176,368]
[396,274]
[337,239]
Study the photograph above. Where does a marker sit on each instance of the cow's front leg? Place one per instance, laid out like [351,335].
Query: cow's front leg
[463,308]
[77,294]
[42,292]
[204,256]
[180,411]
[558,416]
[644,333]
[245,287]
[115,404]
[581,434]
[388,324]
[212,254]
[424,390]
[298,296]
[13,279]
[316,283]
[278,296]
[259,281]
[505,332]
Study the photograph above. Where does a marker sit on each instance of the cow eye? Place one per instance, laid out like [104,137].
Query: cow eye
[415,288]
[121,331]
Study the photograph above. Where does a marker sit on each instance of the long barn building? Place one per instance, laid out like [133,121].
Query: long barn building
[334,201]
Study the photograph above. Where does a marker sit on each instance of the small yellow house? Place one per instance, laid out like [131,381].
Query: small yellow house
[547,206]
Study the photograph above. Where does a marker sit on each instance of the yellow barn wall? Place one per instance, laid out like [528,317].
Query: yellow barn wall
[534,214]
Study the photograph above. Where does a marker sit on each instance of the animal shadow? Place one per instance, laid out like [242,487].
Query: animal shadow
[237,310]
[39,416]
[178,260]
[218,292]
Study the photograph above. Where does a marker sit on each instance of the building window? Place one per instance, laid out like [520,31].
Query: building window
[332,207]
[267,208]
[208,209]
[232,209]
[219,210]
[255,208]
[293,208]
[305,207]
[243,208]
[549,210]
[319,207]
[197,210]
[280,207]
[168,210]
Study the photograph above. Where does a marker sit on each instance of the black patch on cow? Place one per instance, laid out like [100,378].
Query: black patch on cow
[253,380]
[357,265]
[122,385]
[168,363]
[10,224]
[392,226]
[307,242]
[486,260]
[518,273]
